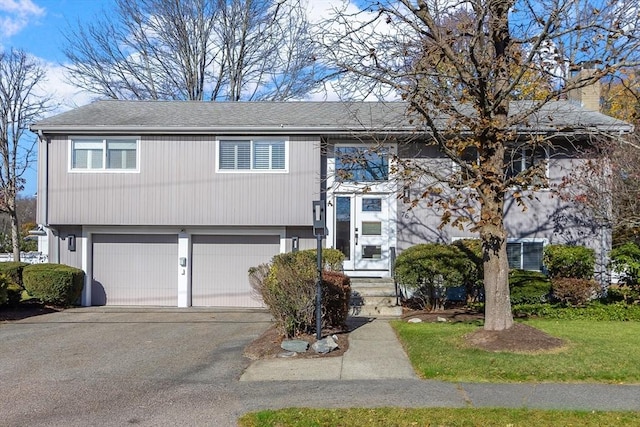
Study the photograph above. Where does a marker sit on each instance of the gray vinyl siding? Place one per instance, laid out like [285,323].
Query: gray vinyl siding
[64,254]
[547,216]
[177,184]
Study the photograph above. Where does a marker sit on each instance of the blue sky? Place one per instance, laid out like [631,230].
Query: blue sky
[37,27]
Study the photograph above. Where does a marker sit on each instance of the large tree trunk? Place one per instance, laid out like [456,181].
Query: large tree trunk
[497,309]
[15,235]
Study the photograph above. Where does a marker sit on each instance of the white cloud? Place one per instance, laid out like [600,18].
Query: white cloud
[63,94]
[16,15]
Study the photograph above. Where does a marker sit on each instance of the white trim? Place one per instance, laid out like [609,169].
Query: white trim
[86,243]
[184,272]
[252,140]
[103,140]
[381,188]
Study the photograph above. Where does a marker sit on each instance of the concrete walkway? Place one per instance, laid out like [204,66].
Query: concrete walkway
[374,354]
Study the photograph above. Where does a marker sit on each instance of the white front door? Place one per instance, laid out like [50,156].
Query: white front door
[362,230]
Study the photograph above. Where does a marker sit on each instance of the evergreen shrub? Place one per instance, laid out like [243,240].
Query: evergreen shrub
[13,271]
[528,287]
[55,284]
[576,262]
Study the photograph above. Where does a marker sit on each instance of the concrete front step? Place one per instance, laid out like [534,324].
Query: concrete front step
[371,297]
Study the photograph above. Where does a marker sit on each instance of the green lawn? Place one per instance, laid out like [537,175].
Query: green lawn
[437,417]
[597,351]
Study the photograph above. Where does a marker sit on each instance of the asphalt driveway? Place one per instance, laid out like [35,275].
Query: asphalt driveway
[181,367]
[117,367]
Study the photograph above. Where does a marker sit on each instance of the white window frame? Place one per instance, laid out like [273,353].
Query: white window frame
[103,140]
[252,141]
[523,240]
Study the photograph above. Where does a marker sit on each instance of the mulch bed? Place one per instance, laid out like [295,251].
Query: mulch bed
[25,310]
[520,338]
[267,345]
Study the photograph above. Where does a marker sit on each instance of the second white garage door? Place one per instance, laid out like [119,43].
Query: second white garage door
[220,266]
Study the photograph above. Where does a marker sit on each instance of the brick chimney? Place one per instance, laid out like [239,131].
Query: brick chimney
[588,96]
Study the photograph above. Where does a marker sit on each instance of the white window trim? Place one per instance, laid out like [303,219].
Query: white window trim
[104,168]
[252,140]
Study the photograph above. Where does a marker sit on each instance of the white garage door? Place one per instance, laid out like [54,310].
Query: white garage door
[135,270]
[220,265]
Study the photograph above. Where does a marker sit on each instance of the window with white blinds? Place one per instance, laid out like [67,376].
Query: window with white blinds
[93,154]
[252,155]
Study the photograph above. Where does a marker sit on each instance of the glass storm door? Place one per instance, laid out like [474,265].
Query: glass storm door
[362,231]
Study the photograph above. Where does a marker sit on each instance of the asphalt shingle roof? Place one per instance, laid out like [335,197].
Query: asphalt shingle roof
[285,117]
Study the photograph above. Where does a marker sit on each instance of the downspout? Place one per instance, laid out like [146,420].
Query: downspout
[43,197]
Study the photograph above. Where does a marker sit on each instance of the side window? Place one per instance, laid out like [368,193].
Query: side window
[104,154]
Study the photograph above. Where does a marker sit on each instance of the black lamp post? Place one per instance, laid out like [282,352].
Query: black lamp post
[319,230]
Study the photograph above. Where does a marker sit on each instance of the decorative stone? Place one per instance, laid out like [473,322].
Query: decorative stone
[287,354]
[414,320]
[297,346]
[441,319]
[325,345]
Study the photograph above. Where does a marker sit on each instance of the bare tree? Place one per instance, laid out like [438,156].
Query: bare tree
[194,50]
[459,80]
[20,105]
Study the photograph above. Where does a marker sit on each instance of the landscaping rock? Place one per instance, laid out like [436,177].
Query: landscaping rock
[414,320]
[297,346]
[325,345]
[287,354]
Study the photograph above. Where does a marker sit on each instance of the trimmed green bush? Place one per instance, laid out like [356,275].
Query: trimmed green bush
[288,288]
[528,287]
[569,261]
[13,271]
[427,268]
[55,284]
[592,311]
[473,249]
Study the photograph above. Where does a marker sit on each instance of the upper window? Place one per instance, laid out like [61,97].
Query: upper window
[361,164]
[252,155]
[521,159]
[99,154]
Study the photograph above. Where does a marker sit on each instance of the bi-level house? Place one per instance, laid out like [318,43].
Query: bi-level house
[170,203]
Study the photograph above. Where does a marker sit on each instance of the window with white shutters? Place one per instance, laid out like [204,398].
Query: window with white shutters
[252,155]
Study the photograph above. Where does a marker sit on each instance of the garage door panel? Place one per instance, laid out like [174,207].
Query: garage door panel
[135,270]
[220,266]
